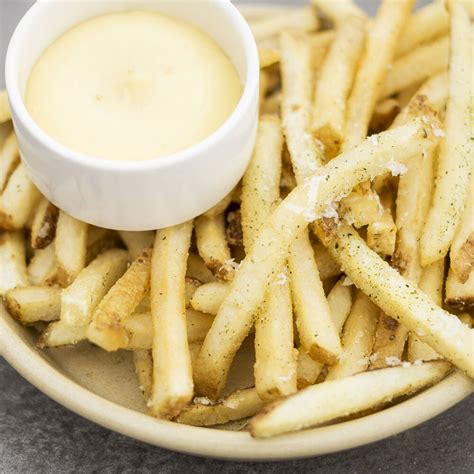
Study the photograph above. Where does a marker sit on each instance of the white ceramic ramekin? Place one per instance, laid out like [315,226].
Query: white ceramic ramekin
[141,195]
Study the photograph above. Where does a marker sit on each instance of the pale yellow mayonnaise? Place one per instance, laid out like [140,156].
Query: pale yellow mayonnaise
[132,86]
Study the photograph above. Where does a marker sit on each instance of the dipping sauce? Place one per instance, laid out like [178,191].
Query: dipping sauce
[135,85]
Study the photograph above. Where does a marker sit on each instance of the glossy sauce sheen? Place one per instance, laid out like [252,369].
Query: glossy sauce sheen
[132,86]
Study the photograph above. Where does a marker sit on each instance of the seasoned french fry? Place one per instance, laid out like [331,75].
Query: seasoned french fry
[334,84]
[143,362]
[380,48]
[431,283]
[30,304]
[337,398]
[338,11]
[106,329]
[137,242]
[172,374]
[43,229]
[198,270]
[303,19]
[58,334]
[455,154]
[327,266]
[5,113]
[18,200]
[9,159]
[12,261]
[382,234]
[308,369]
[80,299]
[424,25]
[416,66]
[275,365]
[357,339]
[458,294]
[237,406]
[462,249]
[212,246]
[71,247]
[209,297]
[305,203]
[43,267]
[403,301]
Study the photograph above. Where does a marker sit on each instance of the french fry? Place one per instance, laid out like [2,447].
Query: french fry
[59,334]
[466,319]
[381,44]
[30,304]
[305,203]
[462,249]
[338,11]
[337,398]
[431,283]
[212,246]
[12,261]
[384,113]
[43,267]
[334,84]
[143,362]
[272,103]
[100,240]
[80,299]
[268,56]
[424,25]
[18,200]
[5,113]
[234,232]
[416,66]
[303,19]
[382,234]
[455,154]
[106,329]
[458,294]
[43,229]
[237,406]
[307,370]
[357,339]
[71,247]
[172,374]
[402,301]
[197,269]
[137,242]
[275,365]
[327,266]
[320,43]
[404,96]
[9,159]
[209,297]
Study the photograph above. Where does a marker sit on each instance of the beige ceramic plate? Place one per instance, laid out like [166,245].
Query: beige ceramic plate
[103,388]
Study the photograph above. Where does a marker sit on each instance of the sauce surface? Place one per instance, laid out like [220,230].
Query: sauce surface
[132,86]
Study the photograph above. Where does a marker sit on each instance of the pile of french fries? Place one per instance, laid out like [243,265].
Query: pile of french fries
[347,247]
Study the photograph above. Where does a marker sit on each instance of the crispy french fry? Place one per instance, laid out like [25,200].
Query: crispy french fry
[404,96]
[275,365]
[5,113]
[143,362]
[30,304]
[424,62]
[80,299]
[18,200]
[334,84]
[212,246]
[303,19]
[431,283]
[71,247]
[43,267]
[209,297]
[402,301]
[12,261]
[462,249]
[305,203]
[424,25]
[9,159]
[382,234]
[197,269]
[43,229]
[458,294]
[338,11]
[308,369]
[137,242]
[357,339]
[172,374]
[106,329]
[455,154]
[381,44]
[58,334]
[237,406]
[330,400]
[320,43]
[100,240]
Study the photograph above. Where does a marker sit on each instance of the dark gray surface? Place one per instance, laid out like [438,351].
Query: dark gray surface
[37,435]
